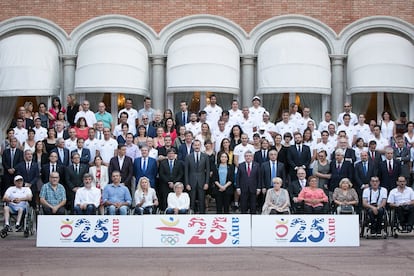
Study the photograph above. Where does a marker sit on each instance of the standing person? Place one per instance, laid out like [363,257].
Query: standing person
[52,166]
[104,116]
[241,149]
[132,115]
[182,117]
[44,115]
[81,128]
[180,137]
[54,110]
[402,155]
[16,199]
[87,198]
[84,153]
[145,166]
[40,131]
[197,176]
[71,109]
[347,110]
[11,157]
[387,126]
[213,111]
[248,183]
[92,144]
[389,170]
[147,110]
[299,156]
[187,147]
[116,197]
[256,111]
[63,153]
[124,165]
[322,170]
[340,168]
[53,196]
[107,147]
[169,129]
[271,169]
[400,125]
[223,179]
[170,171]
[86,113]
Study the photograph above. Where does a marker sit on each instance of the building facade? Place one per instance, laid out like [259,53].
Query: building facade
[316,53]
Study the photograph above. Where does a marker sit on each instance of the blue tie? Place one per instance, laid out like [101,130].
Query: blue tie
[171,166]
[364,167]
[144,166]
[273,171]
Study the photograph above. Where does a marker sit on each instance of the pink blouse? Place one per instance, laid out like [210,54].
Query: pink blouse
[308,193]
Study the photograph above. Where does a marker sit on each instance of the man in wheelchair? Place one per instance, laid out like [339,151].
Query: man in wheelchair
[401,199]
[16,199]
[374,200]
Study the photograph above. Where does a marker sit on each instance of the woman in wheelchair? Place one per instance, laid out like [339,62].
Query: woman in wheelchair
[178,202]
[277,199]
[16,199]
[345,197]
[401,199]
[313,197]
[145,198]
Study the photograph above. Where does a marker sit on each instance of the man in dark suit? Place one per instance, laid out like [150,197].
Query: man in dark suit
[145,166]
[340,168]
[186,148]
[248,183]
[299,156]
[402,155]
[151,131]
[349,153]
[27,123]
[170,171]
[262,155]
[197,176]
[182,117]
[11,157]
[63,153]
[52,166]
[389,170]
[29,170]
[123,164]
[364,170]
[74,178]
[373,154]
[85,154]
[294,188]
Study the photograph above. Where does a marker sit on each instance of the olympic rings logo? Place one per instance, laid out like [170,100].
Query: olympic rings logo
[171,240]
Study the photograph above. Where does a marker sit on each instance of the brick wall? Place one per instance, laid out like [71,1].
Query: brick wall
[337,14]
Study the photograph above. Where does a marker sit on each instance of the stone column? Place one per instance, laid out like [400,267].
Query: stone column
[247,80]
[69,64]
[158,94]
[338,85]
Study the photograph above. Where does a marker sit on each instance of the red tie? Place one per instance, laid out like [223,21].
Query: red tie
[389,167]
[248,169]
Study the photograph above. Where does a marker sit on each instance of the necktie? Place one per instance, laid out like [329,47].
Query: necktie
[248,169]
[298,150]
[389,167]
[184,118]
[197,158]
[61,155]
[77,169]
[144,166]
[364,167]
[100,135]
[53,168]
[264,154]
[338,167]
[372,155]
[12,158]
[171,166]
[273,171]
[28,167]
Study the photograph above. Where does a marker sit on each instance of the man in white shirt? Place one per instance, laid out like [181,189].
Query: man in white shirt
[99,130]
[213,111]
[247,123]
[285,125]
[362,129]
[107,147]
[326,122]
[347,110]
[87,114]
[219,134]
[256,111]
[40,132]
[71,142]
[401,199]
[132,115]
[92,144]
[348,128]
[267,125]
[325,145]
[147,110]
[235,114]
[153,153]
[193,125]
[60,130]
[333,138]
[16,199]
[302,123]
[87,198]
[20,132]
[374,200]
[382,142]
[241,149]
[123,119]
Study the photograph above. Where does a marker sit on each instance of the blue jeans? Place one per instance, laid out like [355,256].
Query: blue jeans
[112,210]
[180,211]
[143,210]
[90,210]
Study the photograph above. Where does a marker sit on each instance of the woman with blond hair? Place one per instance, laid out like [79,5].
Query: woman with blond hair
[345,197]
[145,197]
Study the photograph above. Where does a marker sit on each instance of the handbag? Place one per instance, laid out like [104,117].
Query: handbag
[347,209]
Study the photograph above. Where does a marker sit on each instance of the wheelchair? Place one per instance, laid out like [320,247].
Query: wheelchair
[396,226]
[27,221]
[367,230]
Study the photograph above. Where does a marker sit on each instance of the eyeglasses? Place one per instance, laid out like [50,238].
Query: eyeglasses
[347,106]
[54,177]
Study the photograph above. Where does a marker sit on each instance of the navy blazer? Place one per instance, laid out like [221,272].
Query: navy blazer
[30,176]
[258,157]
[74,180]
[179,119]
[248,184]
[127,170]
[388,179]
[346,170]
[349,155]
[45,172]
[66,157]
[266,173]
[6,159]
[296,160]
[85,157]
[177,174]
[360,178]
[150,172]
[182,151]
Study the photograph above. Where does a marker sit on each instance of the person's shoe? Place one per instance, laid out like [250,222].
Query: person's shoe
[8,228]
[19,228]
[409,228]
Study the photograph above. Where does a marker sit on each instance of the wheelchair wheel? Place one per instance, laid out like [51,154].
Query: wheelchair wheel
[26,233]
[3,233]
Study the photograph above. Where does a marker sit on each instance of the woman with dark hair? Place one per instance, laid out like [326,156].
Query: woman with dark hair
[169,129]
[141,139]
[223,180]
[121,139]
[72,109]
[167,114]
[387,126]
[225,147]
[30,142]
[54,109]
[409,135]
[61,117]
[50,141]
[235,136]
[81,128]
[6,143]
[180,137]
[313,197]
[44,115]
[358,148]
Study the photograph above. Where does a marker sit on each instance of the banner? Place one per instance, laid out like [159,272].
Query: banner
[197,231]
[89,231]
[305,230]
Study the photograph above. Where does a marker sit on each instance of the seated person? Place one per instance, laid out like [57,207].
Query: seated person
[116,196]
[145,197]
[277,199]
[402,199]
[87,198]
[345,197]
[178,202]
[53,196]
[374,199]
[294,188]
[313,197]
[16,199]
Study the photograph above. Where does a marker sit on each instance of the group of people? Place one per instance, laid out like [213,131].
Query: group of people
[76,159]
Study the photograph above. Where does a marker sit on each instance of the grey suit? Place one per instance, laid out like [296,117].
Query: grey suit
[196,175]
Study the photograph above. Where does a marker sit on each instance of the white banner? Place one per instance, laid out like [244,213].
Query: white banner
[89,231]
[197,231]
[305,230]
